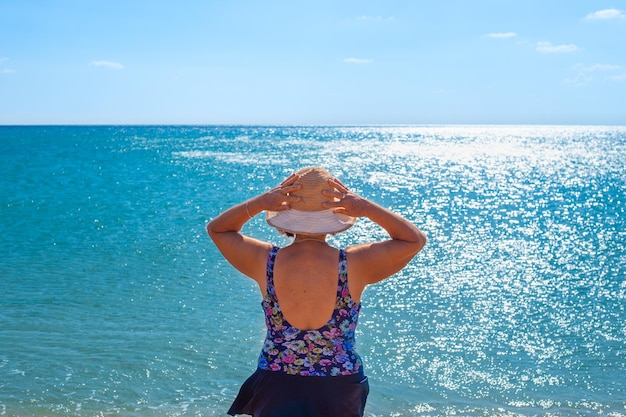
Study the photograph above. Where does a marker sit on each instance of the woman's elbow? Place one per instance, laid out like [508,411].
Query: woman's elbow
[210,229]
[419,242]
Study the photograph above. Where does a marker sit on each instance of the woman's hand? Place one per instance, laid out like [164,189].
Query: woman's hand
[349,203]
[278,198]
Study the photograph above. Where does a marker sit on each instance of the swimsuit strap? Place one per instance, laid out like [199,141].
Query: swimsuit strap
[343,265]
[342,278]
[269,271]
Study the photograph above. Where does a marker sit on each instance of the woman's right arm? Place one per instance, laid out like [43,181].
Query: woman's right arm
[246,254]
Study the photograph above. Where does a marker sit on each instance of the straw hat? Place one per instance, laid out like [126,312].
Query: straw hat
[308,215]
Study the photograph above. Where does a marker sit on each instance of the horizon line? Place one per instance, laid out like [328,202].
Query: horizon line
[297,124]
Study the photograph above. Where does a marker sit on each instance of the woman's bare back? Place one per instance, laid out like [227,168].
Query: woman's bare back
[306,275]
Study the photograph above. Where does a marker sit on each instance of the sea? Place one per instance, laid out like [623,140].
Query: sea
[114,301]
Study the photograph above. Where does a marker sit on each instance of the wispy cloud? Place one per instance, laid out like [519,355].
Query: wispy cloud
[600,67]
[107,64]
[5,70]
[501,35]
[548,48]
[606,14]
[358,61]
[617,77]
[585,74]
[374,19]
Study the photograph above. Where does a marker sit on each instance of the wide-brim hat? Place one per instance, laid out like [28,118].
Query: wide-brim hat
[308,215]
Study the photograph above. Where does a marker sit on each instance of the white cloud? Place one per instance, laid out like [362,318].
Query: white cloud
[501,35]
[374,19]
[5,70]
[606,14]
[547,48]
[617,77]
[579,80]
[600,67]
[585,74]
[107,64]
[358,61]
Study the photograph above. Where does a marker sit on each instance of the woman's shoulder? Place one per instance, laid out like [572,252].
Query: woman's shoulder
[373,262]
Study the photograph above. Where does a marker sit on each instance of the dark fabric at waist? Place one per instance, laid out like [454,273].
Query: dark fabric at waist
[278,394]
[340,379]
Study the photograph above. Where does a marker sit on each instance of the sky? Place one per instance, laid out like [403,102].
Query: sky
[339,62]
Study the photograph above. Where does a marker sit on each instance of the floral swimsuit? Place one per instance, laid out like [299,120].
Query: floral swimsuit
[327,351]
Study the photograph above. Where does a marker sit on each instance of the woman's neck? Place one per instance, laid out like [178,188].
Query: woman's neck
[309,238]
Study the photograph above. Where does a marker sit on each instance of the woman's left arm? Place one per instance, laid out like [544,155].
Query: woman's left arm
[246,254]
[376,261]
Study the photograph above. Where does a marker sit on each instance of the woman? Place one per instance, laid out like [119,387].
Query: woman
[309,365]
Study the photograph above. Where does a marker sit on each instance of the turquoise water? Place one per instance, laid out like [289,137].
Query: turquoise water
[115,302]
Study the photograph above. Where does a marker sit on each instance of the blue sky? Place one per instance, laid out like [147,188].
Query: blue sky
[312,62]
